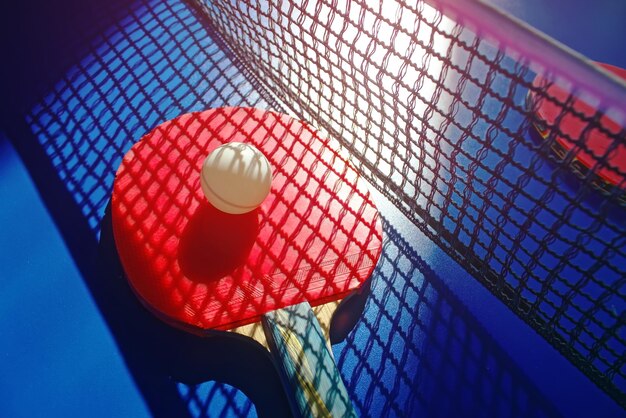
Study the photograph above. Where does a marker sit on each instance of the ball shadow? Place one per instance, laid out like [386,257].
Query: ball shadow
[214,243]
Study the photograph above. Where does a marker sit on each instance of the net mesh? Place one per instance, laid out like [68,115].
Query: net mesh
[451,126]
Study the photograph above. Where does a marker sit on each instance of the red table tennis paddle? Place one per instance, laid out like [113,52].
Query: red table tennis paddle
[313,240]
[567,127]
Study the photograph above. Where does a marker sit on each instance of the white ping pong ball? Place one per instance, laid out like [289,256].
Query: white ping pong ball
[236,177]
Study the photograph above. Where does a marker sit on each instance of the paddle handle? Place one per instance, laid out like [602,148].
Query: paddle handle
[306,365]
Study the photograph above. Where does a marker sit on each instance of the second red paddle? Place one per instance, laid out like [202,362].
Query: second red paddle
[570,123]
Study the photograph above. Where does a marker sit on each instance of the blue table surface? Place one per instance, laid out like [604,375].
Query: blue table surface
[60,358]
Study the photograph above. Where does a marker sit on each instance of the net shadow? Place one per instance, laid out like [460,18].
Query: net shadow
[433,356]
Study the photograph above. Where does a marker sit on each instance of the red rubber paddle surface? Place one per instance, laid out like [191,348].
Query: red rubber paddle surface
[571,127]
[315,238]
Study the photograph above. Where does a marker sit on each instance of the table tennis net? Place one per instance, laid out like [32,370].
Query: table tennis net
[440,113]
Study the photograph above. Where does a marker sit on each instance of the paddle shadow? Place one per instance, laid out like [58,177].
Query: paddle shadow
[162,355]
